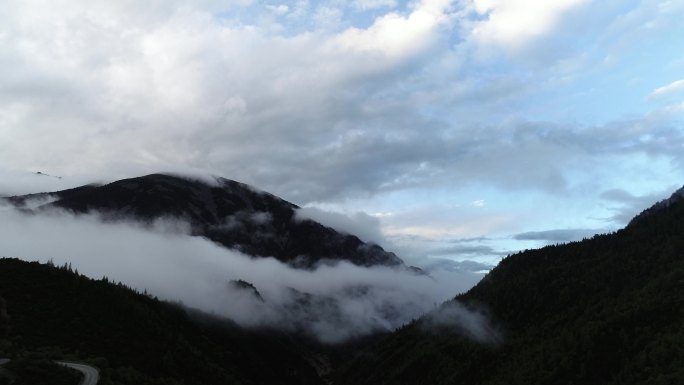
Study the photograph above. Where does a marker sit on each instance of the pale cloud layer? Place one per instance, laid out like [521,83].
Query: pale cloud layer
[346,301]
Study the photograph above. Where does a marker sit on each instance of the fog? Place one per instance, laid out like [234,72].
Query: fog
[21,182]
[332,302]
[360,224]
[456,317]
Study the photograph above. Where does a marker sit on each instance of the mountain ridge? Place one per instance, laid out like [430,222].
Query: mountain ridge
[604,310]
[230,213]
[675,197]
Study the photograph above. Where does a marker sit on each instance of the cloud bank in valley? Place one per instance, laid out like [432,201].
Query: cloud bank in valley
[333,303]
[454,316]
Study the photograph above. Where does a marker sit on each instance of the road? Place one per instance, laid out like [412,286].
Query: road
[90,374]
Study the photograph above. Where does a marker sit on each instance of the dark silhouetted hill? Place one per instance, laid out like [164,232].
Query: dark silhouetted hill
[230,213]
[605,310]
[136,339]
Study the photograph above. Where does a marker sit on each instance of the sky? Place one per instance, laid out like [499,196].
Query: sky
[448,131]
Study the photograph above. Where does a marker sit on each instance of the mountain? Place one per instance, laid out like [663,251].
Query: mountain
[605,310]
[134,338]
[229,213]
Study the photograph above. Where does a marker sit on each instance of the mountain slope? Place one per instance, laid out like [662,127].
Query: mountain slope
[136,339]
[606,310]
[226,212]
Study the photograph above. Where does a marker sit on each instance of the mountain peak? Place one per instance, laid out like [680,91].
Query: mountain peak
[230,213]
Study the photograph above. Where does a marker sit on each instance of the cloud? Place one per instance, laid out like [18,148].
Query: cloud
[333,303]
[557,235]
[673,88]
[476,254]
[465,249]
[280,9]
[479,203]
[310,114]
[177,86]
[22,182]
[434,265]
[395,35]
[458,318]
[360,224]
[374,4]
[330,103]
[511,24]
[629,205]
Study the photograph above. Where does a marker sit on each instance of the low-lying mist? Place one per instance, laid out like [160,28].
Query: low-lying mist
[332,302]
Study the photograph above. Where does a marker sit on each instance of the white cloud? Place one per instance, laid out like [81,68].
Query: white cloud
[374,4]
[280,9]
[175,86]
[454,316]
[395,35]
[511,24]
[671,89]
[122,89]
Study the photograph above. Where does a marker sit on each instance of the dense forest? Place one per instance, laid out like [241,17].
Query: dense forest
[56,313]
[605,310]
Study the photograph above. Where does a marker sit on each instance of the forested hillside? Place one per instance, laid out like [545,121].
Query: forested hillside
[606,310]
[136,339]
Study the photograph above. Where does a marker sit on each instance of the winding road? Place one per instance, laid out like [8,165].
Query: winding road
[90,373]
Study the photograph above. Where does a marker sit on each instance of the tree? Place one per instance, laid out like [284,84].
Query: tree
[4,319]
